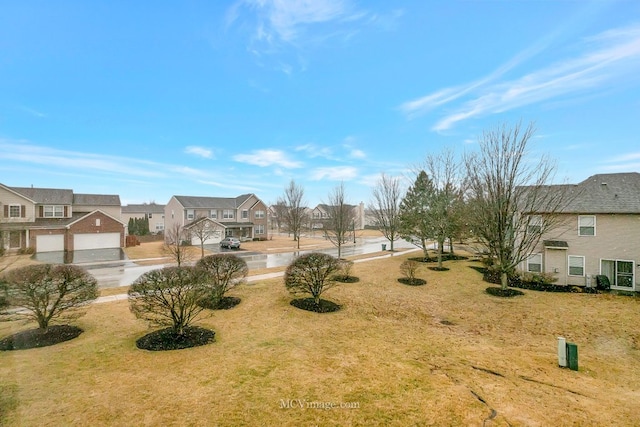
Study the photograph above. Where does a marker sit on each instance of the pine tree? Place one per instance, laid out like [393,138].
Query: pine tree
[415,224]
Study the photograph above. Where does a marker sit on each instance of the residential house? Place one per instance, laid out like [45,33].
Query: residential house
[152,211]
[320,214]
[244,217]
[48,220]
[599,234]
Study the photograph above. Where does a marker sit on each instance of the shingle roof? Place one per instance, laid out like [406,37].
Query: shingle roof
[144,208]
[196,202]
[96,199]
[606,193]
[52,196]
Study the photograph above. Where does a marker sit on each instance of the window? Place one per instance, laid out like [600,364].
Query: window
[97,222]
[258,214]
[576,265]
[159,227]
[620,273]
[14,211]
[227,214]
[51,211]
[213,214]
[191,213]
[535,224]
[245,214]
[534,263]
[259,229]
[150,215]
[586,225]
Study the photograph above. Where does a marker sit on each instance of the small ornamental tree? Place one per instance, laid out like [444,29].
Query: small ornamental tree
[224,271]
[312,274]
[45,292]
[409,268]
[169,297]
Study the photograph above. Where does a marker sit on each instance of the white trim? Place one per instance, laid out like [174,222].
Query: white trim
[535,263]
[569,265]
[594,226]
[633,273]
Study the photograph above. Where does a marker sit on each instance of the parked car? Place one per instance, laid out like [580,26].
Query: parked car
[230,242]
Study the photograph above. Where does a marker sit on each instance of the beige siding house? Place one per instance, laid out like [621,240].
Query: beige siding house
[320,214]
[153,211]
[244,217]
[599,235]
[53,220]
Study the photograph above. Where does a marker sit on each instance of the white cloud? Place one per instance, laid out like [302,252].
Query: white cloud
[312,150]
[199,151]
[608,57]
[334,173]
[267,158]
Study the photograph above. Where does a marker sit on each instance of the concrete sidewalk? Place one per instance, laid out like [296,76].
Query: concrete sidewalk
[259,277]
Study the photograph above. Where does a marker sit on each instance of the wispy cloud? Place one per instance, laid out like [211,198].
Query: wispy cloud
[607,58]
[267,158]
[334,173]
[622,163]
[199,151]
[314,150]
[33,112]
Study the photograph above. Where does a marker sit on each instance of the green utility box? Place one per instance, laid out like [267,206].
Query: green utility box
[572,356]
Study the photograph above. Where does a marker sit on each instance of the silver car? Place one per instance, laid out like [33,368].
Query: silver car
[230,242]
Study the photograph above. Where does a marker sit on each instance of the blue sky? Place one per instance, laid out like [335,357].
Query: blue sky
[211,98]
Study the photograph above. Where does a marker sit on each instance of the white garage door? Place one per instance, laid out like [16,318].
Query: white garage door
[50,243]
[96,241]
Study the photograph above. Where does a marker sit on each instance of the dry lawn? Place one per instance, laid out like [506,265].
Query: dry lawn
[441,354]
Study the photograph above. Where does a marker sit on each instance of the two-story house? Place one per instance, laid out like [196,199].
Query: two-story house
[321,213]
[599,234]
[48,220]
[244,217]
[152,211]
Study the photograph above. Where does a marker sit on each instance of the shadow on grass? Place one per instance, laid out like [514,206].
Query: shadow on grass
[503,293]
[309,304]
[225,303]
[346,279]
[412,282]
[167,339]
[34,338]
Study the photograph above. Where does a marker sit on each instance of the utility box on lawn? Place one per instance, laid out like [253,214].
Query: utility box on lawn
[567,354]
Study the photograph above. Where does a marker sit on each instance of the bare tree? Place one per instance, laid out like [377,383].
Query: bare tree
[311,273]
[505,187]
[341,218]
[295,212]
[225,272]
[169,297]
[43,292]
[279,214]
[203,229]
[176,240]
[385,207]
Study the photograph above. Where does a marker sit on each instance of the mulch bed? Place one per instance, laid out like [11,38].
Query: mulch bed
[503,293]
[309,304]
[34,338]
[412,282]
[438,268]
[346,279]
[166,339]
[225,303]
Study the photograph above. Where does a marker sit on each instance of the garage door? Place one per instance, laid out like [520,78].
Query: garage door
[50,243]
[96,241]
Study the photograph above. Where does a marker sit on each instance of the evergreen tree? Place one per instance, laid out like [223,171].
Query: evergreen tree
[415,224]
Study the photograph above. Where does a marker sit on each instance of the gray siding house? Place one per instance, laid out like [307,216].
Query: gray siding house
[599,234]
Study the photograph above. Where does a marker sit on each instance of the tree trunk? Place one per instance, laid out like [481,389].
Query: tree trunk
[504,280]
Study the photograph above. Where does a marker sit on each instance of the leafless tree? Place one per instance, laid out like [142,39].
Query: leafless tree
[225,272]
[279,214]
[385,207]
[43,292]
[311,273]
[295,212]
[341,218]
[169,296]
[176,240]
[203,229]
[506,186]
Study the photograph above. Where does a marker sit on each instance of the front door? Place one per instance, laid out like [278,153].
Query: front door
[556,264]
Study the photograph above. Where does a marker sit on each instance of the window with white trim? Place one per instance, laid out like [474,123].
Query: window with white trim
[97,222]
[227,214]
[586,225]
[213,214]
[259,229]
[245,214]
[258,214]
[14,211]
[576,265]
[191,213]
[534,263]
[535,224]
[53,211]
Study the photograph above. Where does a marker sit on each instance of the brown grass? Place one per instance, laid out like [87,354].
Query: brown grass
[404,355]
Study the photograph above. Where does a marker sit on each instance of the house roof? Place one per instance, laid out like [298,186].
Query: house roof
[144,208]
[96,199]
[197,202]
[52,196]
[606,193]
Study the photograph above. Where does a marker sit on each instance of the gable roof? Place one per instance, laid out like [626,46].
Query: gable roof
[96,199]
[53,196]
[197,202]
[143,208]
[606,193]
